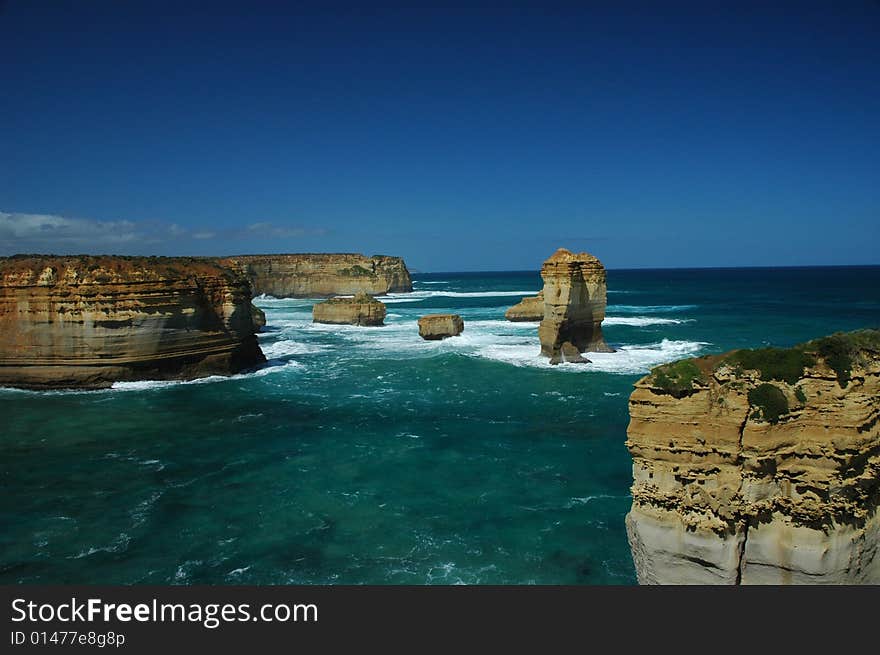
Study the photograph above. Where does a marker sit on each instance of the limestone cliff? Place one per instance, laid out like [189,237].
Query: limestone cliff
[322,275]
[87,321]
[759,466]
[359,310]
[528,309]
[574,305]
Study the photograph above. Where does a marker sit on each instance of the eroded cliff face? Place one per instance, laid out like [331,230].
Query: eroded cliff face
[759,467]
[322,275]
[574,306]
[86,322]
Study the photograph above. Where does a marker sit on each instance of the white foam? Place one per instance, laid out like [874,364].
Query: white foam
[146,385]
[628,360]
[285,348]
[455,294]
[648,309]
[643,321]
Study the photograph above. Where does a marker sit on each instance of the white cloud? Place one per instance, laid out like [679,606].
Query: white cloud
[48,233]
[46,230]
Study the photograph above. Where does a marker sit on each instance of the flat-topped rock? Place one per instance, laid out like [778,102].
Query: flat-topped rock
[362,309]
[440,326]
[574,305]
[320,275]
[759,466]
[528,309]
[90,321]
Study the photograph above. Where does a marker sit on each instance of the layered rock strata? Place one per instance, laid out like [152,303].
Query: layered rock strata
[759,467]
[528,309]
[359,310]
[322,275]
[440,326]
[86,322]
[574,305]
[259,317]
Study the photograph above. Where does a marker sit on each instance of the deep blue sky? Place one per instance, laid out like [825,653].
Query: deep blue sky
[650,134]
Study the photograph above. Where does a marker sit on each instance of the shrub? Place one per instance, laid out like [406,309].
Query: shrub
[769,401]
[678,377]
[783,364]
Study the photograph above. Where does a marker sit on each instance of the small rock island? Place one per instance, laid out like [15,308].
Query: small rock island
[362,309]
[89,321]
[530,309]
[759,466]
[440,326]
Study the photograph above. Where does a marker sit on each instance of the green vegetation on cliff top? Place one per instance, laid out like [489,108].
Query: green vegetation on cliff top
[839,351]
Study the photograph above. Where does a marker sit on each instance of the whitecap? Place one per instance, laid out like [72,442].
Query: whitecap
[627,360]
[286,348]
[454,294]
[643,321]
[648,309]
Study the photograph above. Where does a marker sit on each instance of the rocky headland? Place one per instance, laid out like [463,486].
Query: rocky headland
[759,466]
[88,321]
[528,309]
[440,326]
[322,275]
[574,307]
[362,309]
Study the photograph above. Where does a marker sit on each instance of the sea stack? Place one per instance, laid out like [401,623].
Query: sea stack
[528,309]
[322,275]
[759,466]
[574,306]
[362,309]
[86,322]
[440,326]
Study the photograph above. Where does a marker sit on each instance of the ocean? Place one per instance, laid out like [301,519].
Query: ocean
[369,456]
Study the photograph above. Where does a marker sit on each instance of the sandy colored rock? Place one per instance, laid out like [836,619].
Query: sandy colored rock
[86,322]
[322,275]
[574,304]
[362,309]
[528,309]
[259,317]
[759,467]
[440,326]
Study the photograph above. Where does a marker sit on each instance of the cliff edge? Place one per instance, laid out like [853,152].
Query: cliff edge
[759,466]
[86,322]
[322,275]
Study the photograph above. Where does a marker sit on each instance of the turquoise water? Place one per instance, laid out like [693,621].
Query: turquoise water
[366,455]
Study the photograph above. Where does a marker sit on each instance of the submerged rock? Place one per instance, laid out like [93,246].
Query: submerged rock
[440,326]
[528,309]
[86,322]
[322,275]
[362,309]
[759,466]
[574,305]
